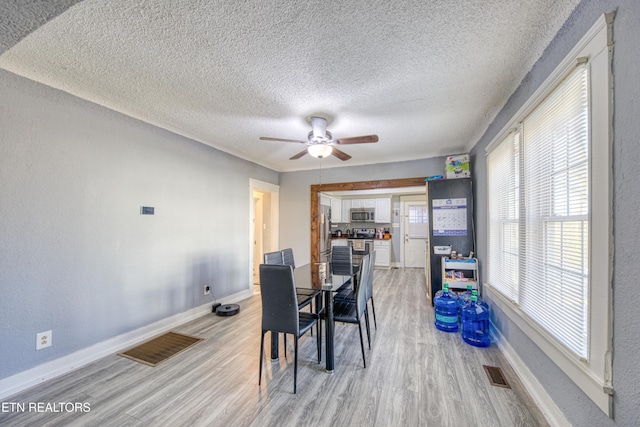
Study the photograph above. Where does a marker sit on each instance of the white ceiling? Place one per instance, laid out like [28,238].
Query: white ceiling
[426,76]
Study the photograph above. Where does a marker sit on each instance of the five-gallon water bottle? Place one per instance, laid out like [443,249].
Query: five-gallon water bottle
[465,297]
[480,300]
[446,309]
[475,323]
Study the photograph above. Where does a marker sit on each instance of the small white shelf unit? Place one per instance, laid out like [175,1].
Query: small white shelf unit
[459,273]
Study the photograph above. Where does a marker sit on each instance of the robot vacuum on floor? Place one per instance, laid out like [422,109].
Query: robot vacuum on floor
[228,309]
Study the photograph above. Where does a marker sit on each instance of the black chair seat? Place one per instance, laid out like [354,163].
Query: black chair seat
[344,311]
[347,294]
[307,320]
[305,296]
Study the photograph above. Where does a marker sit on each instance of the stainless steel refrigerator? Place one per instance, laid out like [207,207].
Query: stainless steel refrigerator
[325,233]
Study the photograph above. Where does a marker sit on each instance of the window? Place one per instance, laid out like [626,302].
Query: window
[418,220]
[548,175]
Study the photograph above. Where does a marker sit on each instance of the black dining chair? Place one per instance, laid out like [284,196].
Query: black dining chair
[280,312]
[305,296]
[372,267]
[273,258]
[342,265]
[350,295]
[352,311]
[285,257]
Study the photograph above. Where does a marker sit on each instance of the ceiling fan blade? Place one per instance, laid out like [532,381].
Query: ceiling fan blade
[297,156]
[357,139]
[340,154]
[266,138]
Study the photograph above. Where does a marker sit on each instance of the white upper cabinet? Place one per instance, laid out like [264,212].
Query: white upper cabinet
[383,210]
[346,210]
[336,211]
[357,203]
[369,203]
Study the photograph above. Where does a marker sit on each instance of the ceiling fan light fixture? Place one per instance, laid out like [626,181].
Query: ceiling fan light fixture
[320,150]
[319,127]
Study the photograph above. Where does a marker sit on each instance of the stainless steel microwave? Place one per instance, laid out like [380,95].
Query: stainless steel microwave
[363,215]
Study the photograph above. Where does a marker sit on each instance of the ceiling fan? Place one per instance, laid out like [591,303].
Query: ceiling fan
[320,142]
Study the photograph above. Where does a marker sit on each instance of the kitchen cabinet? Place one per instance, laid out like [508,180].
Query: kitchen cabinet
[325,200]
[383,253]
[346,211]
[383,210]
[336,210]
[363,203]
[369,203]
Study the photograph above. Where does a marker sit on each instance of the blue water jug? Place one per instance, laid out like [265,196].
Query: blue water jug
[463,298]
[479,300]
[446,310]
[475,323]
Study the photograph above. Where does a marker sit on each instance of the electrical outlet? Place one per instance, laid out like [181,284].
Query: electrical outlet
[206,289]
[43,340]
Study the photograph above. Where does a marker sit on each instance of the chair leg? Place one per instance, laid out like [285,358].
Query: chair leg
[295,367]
[362,344]
[311,311]
[261,357]
[366,321]
[285,345]
[373,308]
[318,341]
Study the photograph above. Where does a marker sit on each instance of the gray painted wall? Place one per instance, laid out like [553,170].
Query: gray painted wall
[295,194]
[575,405]
[77,257]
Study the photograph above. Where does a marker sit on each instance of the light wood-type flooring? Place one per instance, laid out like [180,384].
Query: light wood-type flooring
[415,376]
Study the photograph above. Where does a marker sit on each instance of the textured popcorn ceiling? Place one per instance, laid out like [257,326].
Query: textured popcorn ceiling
[427,76]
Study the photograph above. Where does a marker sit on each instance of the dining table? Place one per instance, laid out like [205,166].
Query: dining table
[307,276]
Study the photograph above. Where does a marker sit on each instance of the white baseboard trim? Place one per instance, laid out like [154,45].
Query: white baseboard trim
[549,409]
[31,377]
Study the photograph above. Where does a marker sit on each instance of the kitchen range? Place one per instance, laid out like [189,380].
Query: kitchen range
[361,242]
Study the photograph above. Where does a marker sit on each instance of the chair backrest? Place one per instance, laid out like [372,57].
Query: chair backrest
[372,265]
[287,257]
[279,300]
[341,261]
[361,291]
[273,258]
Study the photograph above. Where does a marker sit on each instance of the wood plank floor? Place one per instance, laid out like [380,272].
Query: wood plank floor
[415,376]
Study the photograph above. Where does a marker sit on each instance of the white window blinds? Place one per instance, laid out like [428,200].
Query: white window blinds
[555,267]
[538,249]
[504,205]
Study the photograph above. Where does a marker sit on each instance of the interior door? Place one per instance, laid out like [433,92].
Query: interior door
[416,231]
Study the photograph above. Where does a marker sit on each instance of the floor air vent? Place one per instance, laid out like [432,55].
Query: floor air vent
[495,376]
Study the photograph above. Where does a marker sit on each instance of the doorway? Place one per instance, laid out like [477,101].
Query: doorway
[258,233]
[264,220]
[348,186]
[415,231]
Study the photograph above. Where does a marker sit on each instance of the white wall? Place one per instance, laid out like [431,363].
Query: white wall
[77,257]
